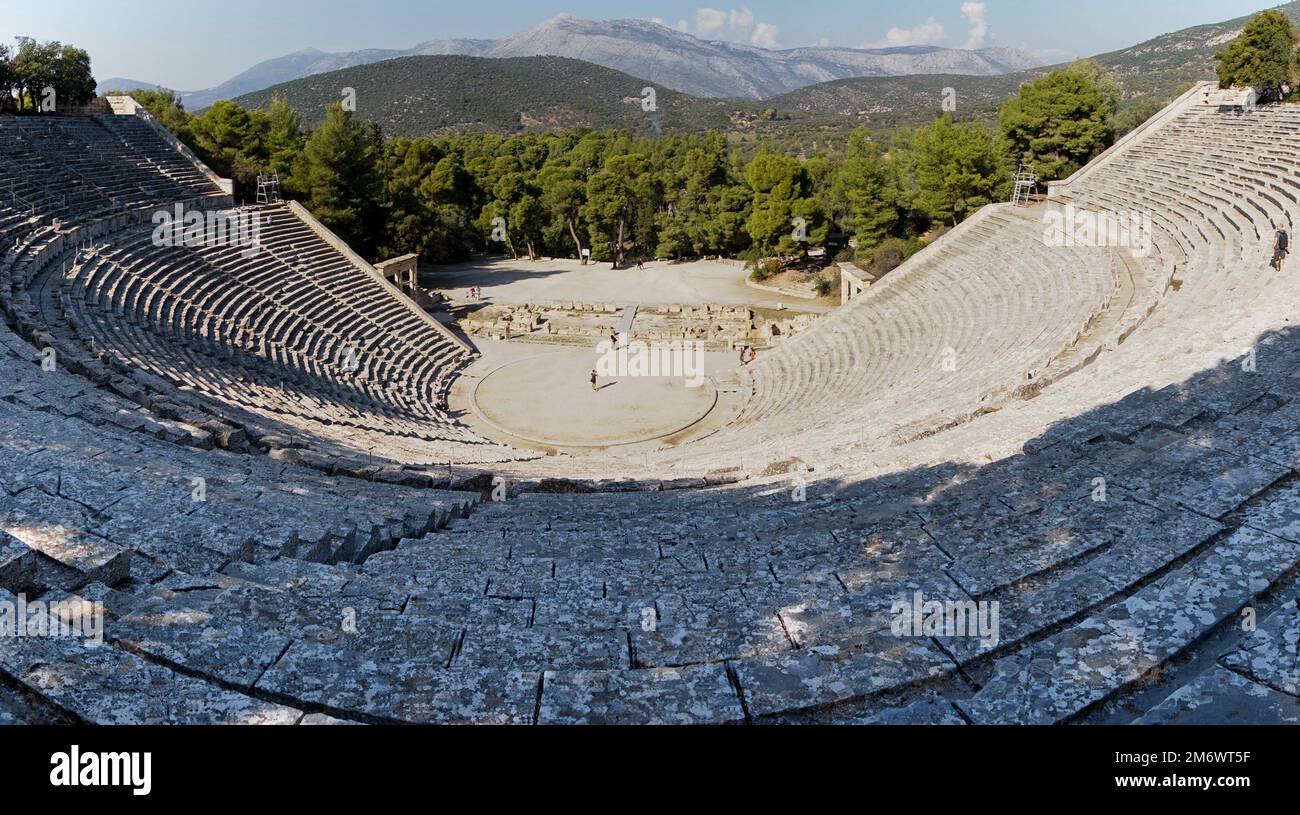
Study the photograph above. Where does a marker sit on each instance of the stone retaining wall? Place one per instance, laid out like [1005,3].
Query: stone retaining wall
[719,326]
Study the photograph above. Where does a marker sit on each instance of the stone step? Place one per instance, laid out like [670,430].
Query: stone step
[1220,696]
[408,688]
[820,677]
[701,694]
[17,564]
[58,529]
[1069,673]
[100,684]
[1270,655]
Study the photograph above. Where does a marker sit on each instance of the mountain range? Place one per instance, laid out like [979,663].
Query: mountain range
[644,49]
[1157,68]
[475,84]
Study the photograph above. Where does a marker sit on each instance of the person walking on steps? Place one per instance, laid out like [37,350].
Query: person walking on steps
[1281,247]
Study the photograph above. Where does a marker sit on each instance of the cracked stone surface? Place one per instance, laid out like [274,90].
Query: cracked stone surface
[824,676]
[1211,482]
[924,712]
[103,685]
[693,695]
[1281,514]
[1062,676]
[1271,654]
[1221,696]
[400,688]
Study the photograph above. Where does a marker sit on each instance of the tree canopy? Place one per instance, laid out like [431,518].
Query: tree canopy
[44,77]
[338,174]
[1062,121]
[958,169]
[865,196]
[617,194]
[1263,57]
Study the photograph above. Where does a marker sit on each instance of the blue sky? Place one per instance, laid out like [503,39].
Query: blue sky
[200,43]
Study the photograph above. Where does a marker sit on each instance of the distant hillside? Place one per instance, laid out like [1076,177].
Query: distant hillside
[310,62]
[1161,65]
[442,94]
[118,83]
[888,102]
[663,55]
[419,96]
[1158,67]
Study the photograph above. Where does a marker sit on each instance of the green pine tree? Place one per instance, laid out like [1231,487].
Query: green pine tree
[1058,123]
[1263,57]
[339,176]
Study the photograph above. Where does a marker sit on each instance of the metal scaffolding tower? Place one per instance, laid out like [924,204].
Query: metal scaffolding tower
[268,188]
[1026,186]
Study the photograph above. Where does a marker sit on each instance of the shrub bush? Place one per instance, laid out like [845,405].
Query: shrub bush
[764,269]
[890,254]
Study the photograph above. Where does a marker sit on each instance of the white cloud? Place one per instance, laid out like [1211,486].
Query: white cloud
[928,33]
[709,21]
[680,25]
[737,24]
[979,24]
[765,35]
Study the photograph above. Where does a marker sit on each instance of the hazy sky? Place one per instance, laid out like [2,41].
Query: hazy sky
[200,43]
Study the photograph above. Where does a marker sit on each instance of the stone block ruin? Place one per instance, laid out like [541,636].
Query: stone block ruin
[718,327]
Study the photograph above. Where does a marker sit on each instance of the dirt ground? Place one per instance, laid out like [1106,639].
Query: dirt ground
[504,280]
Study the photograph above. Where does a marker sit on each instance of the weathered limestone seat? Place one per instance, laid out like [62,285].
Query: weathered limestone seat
[294,346]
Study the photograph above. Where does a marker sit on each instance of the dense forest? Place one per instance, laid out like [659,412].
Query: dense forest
[625,195]
[442,95]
